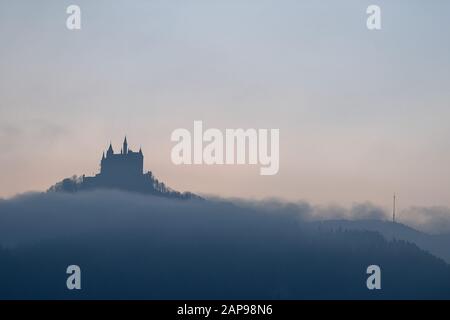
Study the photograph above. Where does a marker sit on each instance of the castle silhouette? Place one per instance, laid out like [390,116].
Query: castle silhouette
[121,171]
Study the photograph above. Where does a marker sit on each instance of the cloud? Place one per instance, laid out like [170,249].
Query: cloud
[358,211]
[14,137]
[434,219]
[214,249]
[35,217]
[164,242]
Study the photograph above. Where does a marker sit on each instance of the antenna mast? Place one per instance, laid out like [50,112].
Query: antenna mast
[393,210]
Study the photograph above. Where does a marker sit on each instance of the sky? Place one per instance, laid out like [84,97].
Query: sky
[362,114]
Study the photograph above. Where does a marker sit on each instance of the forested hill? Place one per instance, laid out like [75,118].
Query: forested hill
[146,247]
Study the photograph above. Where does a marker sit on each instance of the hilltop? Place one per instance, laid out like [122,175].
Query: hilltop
[121,171]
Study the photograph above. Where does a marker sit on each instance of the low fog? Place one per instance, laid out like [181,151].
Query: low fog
[33,217]
[146,247]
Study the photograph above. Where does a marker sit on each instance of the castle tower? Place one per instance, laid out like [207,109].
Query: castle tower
[125,146]
[110,150]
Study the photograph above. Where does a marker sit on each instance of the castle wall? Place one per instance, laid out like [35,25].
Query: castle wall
[122,165]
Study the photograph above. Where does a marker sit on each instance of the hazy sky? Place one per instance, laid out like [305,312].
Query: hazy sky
[361,113]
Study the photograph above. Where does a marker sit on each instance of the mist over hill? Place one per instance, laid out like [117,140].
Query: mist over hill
[436,244]
[136,246]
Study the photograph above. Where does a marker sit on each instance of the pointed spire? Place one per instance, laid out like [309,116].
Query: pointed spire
[125,146]
[103,155]
[110,149]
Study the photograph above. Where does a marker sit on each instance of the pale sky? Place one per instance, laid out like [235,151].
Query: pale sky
[362,114]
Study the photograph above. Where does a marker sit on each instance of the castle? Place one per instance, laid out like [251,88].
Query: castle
[121,171]
[127,163]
